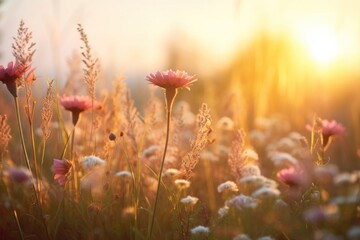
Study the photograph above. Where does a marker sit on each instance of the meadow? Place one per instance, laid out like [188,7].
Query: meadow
[86,163]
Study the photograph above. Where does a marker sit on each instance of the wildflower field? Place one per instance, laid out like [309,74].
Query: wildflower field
[193,159]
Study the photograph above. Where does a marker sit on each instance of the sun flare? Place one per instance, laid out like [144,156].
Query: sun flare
[322,44]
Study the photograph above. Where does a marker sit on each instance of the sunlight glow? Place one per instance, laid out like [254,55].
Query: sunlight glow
[322,43]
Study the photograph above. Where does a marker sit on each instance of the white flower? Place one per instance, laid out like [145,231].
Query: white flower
[200,231]
[182,183]
[228,186]
[90,161]
[124,175]
[264,192]
[223,211]
[171,172]
[250,170]
[150,151]
[241,237]
[241,202]
[225,124]
[189,200]
[280,159]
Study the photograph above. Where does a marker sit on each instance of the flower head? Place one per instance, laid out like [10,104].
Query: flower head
[62,171]
[329,129]
[189,200]
[77,105]
[19,175]
[228,186]
[11,75]
[200,231]
[126,176]
[90,161]
[171,79]
[182,183]
[292,177]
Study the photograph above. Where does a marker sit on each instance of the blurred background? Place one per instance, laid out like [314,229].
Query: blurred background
[253,58]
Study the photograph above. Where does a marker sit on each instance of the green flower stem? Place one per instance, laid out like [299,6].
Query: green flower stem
[170,95]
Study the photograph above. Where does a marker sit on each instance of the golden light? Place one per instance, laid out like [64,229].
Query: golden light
[322,44]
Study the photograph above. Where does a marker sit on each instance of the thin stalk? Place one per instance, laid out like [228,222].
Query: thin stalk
[28,166]
[18,225]
[21,133]
[170,94]
[74,166]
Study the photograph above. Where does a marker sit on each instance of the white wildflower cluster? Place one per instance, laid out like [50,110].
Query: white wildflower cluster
[150,152]
[228,186]
[189,200]
[182,184]
[125,176]
[171,172]
[90,162]
[283,159]
[241,202]
[200,231]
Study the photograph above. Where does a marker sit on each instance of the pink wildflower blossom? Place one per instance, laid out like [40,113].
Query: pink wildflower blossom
[19,175]
[77,105]
[11,75]
[328,130]
[292,177]
[171,79]
[62,171]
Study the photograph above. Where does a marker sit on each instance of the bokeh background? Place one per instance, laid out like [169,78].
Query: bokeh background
[253,58]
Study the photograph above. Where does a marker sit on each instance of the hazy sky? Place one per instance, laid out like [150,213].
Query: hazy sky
[131,36]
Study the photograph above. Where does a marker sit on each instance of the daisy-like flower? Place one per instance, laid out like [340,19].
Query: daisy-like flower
[328,130]
[77,105]
[200,231]
[11,75]
[182,183]
[90,161]
[171,79]
[228,186]
[19,175]
[62,171]
[189,200]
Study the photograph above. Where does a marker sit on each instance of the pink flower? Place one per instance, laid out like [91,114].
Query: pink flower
[12,74]
[328,130]
[19,175]
[292,177]
[77,105]
[62,171]
[171,79]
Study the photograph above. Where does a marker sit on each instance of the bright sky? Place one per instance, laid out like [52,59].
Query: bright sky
[131,37]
